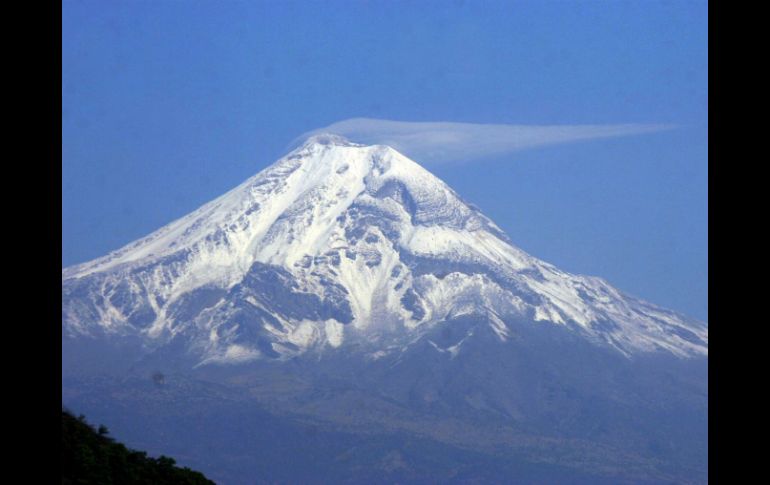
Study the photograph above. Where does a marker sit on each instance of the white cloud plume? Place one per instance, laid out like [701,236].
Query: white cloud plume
[437,142]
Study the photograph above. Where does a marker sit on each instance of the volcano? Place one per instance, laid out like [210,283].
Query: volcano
[347,289]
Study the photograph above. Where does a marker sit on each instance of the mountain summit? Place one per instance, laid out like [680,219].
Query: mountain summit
[342,246]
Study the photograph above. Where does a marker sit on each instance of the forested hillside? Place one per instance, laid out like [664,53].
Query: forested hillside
[91,456]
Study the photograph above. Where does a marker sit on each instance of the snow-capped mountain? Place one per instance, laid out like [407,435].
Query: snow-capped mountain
[378,329]
[341,246]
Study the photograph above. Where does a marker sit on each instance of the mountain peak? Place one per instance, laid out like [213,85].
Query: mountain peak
[340,243]
[328,139]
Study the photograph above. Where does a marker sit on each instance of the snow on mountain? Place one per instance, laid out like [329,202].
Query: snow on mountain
[341,245]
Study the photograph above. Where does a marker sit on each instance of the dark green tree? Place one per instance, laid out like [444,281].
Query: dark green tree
[90,457]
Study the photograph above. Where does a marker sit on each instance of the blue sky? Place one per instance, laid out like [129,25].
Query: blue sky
[166,105]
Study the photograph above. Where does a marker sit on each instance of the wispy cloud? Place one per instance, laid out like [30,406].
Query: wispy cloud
[437,142]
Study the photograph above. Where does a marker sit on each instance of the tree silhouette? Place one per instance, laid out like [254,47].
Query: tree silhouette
[89,456]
